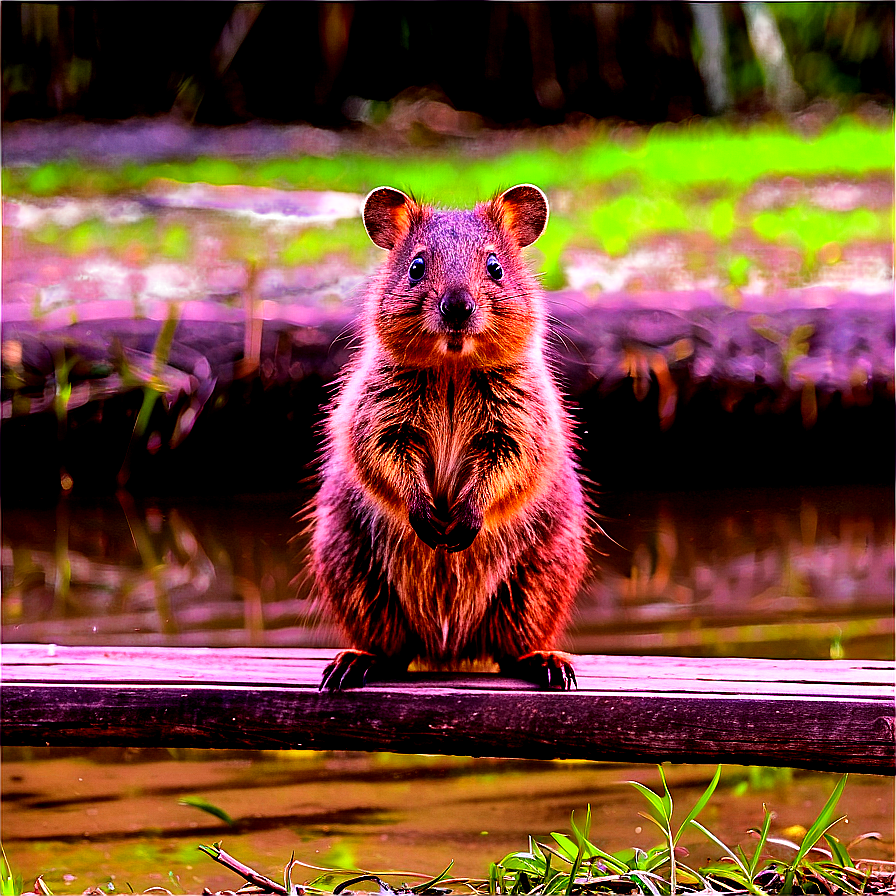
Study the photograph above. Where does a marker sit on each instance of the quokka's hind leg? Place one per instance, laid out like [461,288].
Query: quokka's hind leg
[381,637]
[370,612]
[353,584]
[530,611]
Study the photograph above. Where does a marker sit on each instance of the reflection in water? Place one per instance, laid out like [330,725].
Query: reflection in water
[779,573]
[149,574]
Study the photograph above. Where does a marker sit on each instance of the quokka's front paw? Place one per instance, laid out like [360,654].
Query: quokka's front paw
[465,526]
[551,670]
[354,668]
[429,528]
[349,669]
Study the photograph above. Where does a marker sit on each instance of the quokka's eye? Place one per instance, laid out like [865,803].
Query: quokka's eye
[416,270]
[493,266]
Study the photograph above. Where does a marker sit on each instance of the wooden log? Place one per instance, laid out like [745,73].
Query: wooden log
[834,715]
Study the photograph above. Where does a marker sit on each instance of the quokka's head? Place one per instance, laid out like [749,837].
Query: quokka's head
[455,286]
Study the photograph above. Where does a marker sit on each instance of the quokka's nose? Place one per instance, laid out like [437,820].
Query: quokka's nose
[456,307]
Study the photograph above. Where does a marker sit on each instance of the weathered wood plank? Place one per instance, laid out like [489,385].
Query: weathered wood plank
[303,666]
[825,715]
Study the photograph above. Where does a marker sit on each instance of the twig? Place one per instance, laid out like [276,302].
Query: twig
[244,871]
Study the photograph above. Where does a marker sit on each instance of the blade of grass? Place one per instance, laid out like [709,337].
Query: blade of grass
[522,862]
[656,858]
[661,814]
[700,804]
[493,888]
[549,851]
[666,797]
[10,884]
[819,828]
[589,852]
[197,802]
[840,881]
[420,888]
[547,870]
[242,870]
[823,822]
[582,837]
[568,849]
[614,864]
[748,878]
[696,875]
[644,878]
[657,806]
[763,838]
[287,876]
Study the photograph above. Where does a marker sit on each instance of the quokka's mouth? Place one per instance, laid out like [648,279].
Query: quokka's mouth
[454,341]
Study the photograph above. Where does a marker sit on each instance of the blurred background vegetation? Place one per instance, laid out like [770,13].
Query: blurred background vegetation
[338,64]
[176,161]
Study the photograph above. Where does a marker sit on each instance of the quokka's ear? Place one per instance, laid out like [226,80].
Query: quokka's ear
[387,214]
[523,210]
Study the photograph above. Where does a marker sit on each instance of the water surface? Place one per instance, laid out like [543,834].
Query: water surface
[804,573]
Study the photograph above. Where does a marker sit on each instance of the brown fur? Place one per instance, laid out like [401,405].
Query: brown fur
[450,525]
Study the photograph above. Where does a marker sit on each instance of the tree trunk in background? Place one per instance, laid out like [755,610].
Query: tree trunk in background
[713,61]
[782,90]
[189,96]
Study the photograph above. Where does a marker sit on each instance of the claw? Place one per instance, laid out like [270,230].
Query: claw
[551,670]
[561,675]
[348,670]
[351,669]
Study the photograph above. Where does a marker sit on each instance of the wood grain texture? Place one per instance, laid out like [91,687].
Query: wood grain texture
[836,715]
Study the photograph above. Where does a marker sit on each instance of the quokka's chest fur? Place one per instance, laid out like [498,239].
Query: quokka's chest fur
[462,425]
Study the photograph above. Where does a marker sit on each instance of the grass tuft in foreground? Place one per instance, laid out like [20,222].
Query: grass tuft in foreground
[574,866]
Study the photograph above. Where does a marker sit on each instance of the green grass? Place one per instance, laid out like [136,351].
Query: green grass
[674,156]
[614,227]
[609,194]
[573,865]
[811,228]
[12,884]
